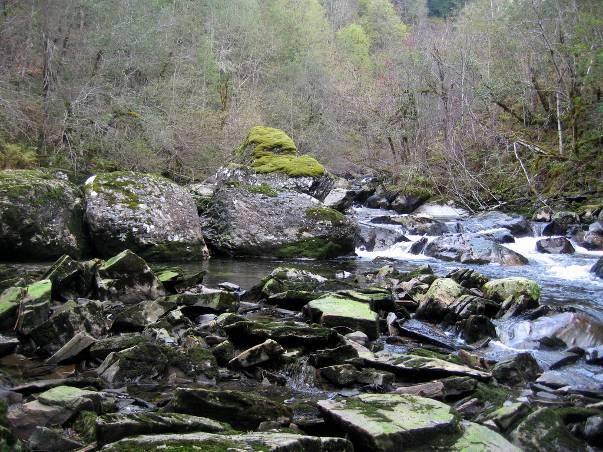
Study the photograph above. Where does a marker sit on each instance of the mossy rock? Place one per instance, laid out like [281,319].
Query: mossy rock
[391,422]
[41,216]
[338,311]
[271,150]
[147,213]
[245,410]
[500,290]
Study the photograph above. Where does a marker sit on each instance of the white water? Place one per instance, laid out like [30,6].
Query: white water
[565,279]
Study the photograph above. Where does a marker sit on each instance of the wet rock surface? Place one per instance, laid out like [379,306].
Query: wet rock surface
[376,361]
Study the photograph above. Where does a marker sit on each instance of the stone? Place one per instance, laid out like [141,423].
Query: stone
[555,245]
[500,235]
[377,202]
[444,389]
[288,334]
[104,346]
[266,351]
[543,214]
[337,311]
[545,430]
[414,225]
[7,345]
[243,410]
[441,295]
[143,314]
[34,307]
[427,333]
[418,246]
[480,438]
[390,422]
[71,279]
[597,268]
[300,226]
[41,216]
[593,238]
[333,356]
[493,220]
[477,327]
[468,278]
[43,438]
[339,199]
[375,238]
[71,398]
[9,307]
[358,337]
[224,352]
[128,278]
[202,194]
[500,290]
[421,368]
[522,368]
[408,202]
[208,300]
[282,442]
[113,427]
[76,345]
[149,362]
[508,416]
[472,249]
[593,431]
[340,374]
[146,213]
[67,321]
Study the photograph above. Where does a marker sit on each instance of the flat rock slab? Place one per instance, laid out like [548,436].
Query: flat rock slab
[422,368]
[427,333]
[76,345]
[339,311]
[282,442]
[113,427]
[477,438]
[390,422]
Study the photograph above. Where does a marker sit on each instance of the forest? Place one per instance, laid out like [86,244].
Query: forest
[487,102]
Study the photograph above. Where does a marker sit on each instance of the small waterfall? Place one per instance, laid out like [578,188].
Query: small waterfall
[301,376]
[537,228]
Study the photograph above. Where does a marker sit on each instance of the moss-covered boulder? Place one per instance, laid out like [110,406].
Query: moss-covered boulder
[391,422]
[146,213]
[335,310]
[239,222]
[440,297]
[113,427]
[149,362]
[243,410]
[128,278]
[515,286]
[41,216]
[210,442]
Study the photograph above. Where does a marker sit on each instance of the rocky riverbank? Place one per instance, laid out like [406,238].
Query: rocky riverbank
[112,347]
[113,355]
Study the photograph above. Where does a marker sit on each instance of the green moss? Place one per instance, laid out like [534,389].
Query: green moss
[268,140]
[291,165]
[326,214]
[339,306]
[39,290]
[491,394]
[85,425]
[424,352]
[117,187]
[262,189]
[315,248]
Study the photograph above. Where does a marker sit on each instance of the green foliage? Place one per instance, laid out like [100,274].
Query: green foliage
[17,156]
[444,8]
[354,43]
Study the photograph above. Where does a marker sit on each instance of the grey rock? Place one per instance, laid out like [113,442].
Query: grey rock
[146,213]
[555,245]
[472,249]
[517,224]
[41,216]
[522,368]
[76,345]
[300,226]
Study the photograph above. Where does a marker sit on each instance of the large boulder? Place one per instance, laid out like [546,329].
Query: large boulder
[472,249]
[415,225]
[517,224]
[555,245]
[377,238]
[515,286]
[240,409]
[407,202]
[243,221]
[41,216]
[593,238]
[146,213]
[391,422]
[441,295]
